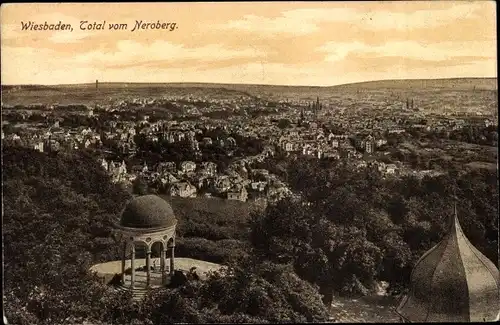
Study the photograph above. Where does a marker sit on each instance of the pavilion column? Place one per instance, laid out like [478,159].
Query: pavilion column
[148,268]
[124,257]
[172,258]
[132,265]
[163,263]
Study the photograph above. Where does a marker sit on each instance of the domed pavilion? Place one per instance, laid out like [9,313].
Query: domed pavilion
[452,282]
[147,222]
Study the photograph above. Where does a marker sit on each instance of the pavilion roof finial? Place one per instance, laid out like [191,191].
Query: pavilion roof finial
[454,217]
[455,199]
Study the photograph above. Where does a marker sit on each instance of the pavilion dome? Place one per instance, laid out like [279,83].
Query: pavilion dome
[453,282]
[148,211]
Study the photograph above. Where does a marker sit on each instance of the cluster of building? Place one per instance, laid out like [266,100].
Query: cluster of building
[189,179]
[357,134]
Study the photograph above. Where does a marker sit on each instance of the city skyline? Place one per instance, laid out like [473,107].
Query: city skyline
[259,43]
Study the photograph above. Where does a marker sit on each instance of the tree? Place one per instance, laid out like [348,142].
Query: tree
[59,212]
[284,123]
[351,227]
[250,292]
[140,186]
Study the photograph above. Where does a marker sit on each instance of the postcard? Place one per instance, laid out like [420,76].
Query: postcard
[248,162]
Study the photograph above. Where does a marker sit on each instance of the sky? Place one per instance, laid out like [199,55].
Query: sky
[281,43]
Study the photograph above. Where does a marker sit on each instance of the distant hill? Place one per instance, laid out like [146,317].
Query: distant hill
[449,83]
[481,90]
[443,84]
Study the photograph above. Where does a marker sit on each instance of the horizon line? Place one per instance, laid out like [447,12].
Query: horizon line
[241,84]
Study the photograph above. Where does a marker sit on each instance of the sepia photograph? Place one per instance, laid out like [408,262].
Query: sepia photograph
[249,162]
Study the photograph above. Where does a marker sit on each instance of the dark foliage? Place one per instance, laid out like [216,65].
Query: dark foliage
[354,227]
[59,211]
[247,293]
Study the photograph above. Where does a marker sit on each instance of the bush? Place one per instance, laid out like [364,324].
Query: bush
[220,251]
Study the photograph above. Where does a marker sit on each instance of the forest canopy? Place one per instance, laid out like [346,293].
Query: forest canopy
[59,214]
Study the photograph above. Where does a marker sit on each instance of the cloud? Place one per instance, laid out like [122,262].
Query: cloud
[130,52]
[281,43]
[307,21]
[337,51]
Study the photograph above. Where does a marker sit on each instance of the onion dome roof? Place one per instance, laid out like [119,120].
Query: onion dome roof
[453,282]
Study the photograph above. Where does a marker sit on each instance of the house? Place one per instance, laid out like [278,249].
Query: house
[14,137]
[166,167]
[207,141]
[306,149]
[380,142]
[145,168]
[288,146]
[258,186]
[268,151]
[182,189]
[231,142]
[195,145]
[390,169]
[188,166]
[361,164]
[179,136]
[237,193]
[117,168]
[260,174]
[396,131]
[86,131]
[369,144]
[331,154]
[209,168]
[86,143]
[104,164]
[222,184]
[170,137]
[168,178]
[38,146]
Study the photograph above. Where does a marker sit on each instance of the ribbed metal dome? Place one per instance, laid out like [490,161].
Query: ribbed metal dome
[453,282]
[148,211]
